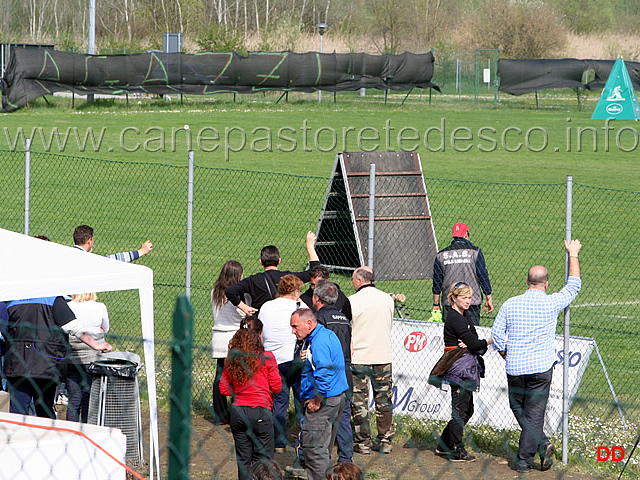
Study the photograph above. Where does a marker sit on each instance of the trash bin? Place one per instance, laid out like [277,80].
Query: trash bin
[115,399]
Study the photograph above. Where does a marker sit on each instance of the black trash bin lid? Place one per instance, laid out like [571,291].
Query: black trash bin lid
[113,368]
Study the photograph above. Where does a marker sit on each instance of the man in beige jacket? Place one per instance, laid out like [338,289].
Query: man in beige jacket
[372,311]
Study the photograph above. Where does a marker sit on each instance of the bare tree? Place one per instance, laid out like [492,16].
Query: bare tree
[389,22]
[246,20]
[304,4]
[255,3]
[518,30]
[128,18]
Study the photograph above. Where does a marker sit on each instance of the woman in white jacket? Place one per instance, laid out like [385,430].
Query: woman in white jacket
[226,322]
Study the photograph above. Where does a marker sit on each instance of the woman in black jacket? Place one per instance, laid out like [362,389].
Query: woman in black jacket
[464,375]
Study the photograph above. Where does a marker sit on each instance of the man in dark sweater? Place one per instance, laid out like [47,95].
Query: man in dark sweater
[37,340]
[262,287]
[321,273]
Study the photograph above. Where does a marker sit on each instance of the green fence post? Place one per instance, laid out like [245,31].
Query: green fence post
[181,363]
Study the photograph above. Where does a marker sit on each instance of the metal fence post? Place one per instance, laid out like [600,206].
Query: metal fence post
[565,363]
[27,184]
[372,211]
[189,226]
[476,80]
[496,79]
[181,368]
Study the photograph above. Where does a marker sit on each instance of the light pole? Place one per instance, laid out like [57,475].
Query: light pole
[91,37]
[321,28]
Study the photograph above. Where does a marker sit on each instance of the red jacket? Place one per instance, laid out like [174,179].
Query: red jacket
[256,392]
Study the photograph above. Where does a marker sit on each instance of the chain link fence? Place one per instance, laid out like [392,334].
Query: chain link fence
[237,212]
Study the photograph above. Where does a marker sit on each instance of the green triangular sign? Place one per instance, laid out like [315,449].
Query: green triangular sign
[618,100]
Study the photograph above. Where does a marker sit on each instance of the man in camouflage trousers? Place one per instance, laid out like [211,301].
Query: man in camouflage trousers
[372,311]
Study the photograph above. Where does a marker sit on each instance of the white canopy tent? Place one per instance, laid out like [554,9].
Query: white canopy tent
[34,268]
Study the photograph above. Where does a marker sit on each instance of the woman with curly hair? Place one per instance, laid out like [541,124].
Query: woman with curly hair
[250,376]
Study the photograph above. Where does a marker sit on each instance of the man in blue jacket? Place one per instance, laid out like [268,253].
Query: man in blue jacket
[323,388]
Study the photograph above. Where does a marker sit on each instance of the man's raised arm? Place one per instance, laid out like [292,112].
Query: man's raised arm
[573,248]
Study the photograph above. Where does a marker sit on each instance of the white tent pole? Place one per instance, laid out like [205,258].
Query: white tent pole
[146,309]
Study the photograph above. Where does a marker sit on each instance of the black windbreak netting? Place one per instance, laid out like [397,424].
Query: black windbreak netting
[34,73]
[523,76]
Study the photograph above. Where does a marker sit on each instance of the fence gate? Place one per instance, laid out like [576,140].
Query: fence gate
[486,77]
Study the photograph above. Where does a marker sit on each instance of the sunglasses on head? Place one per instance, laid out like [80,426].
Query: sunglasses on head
[461,284]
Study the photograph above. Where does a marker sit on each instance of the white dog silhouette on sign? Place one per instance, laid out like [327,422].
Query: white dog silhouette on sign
[616,94]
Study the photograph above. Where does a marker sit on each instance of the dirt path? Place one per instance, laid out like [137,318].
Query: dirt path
[212,456]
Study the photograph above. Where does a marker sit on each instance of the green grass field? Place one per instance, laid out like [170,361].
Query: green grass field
[514,202]
[611,169]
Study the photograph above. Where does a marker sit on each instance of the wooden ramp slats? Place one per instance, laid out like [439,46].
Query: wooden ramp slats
[385,174]
[388,195]
[389,219]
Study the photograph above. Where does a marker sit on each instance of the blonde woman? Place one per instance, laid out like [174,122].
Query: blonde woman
[95,323]
[464,375]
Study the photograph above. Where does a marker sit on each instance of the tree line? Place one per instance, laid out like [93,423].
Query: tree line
[519,28]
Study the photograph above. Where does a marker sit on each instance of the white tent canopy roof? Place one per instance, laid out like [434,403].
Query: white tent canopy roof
[33,268]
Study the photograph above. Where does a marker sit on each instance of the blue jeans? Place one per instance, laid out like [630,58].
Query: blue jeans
[4,380]
[528,395]
[79,390]
[290,374]
[24,390]
[344,437]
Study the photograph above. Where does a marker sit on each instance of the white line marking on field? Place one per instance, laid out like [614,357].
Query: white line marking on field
[611,304]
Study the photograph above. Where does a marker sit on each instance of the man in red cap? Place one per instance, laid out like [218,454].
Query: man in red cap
[461,262]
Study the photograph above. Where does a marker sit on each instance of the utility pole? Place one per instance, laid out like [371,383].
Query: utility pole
[91,41]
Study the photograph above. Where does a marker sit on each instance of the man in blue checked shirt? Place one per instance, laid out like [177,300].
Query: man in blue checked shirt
[523,333]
